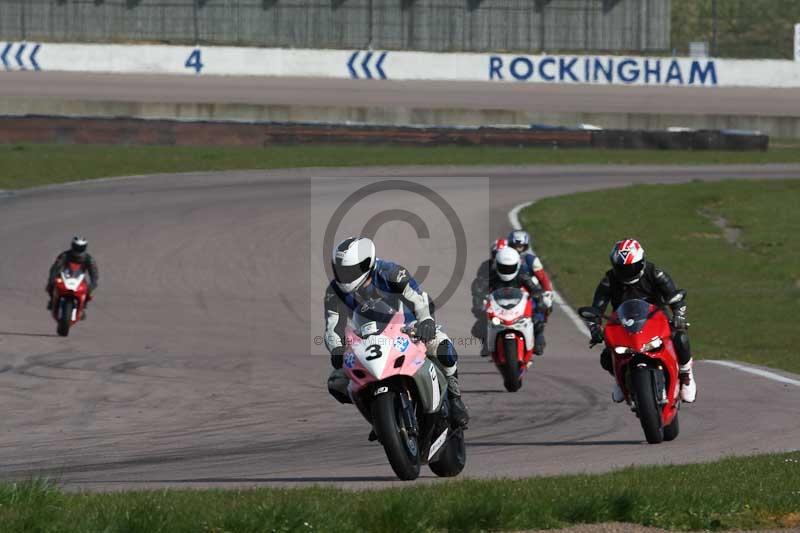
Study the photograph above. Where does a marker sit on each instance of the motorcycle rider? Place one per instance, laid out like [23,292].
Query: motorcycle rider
[478,290]
[520,240]
[76,254]
[360,276]
[508,273]
[633,277]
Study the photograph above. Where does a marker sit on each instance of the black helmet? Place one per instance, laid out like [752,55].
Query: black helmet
[78,245]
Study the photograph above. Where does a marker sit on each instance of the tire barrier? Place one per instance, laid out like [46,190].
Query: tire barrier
[42,129]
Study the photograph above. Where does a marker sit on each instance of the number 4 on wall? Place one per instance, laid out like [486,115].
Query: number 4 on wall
[195,61]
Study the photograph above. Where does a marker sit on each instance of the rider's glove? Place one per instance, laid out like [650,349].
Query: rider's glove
[547,299]
[679,322]
[426,330]
[337,357]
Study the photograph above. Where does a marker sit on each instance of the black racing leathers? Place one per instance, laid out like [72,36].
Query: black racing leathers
[656,287]
[84,259]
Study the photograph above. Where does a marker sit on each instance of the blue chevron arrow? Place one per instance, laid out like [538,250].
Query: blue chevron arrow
[18,57]
[33,57]
[365,65]
[353,73]
[4,56]
[379,65]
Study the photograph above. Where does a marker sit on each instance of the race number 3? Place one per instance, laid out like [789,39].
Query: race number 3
[376,352]
[195,61]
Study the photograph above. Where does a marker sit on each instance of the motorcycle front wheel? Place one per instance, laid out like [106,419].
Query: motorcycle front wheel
[402,449]
[644,394]
[65,320]
[511,368]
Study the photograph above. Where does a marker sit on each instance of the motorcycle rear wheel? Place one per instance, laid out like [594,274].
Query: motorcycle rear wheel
[453,458]
[646,406]
[511,368]
[401,449]
[65,320]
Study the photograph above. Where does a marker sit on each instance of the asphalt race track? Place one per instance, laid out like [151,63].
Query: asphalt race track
[194,366]
[531,97]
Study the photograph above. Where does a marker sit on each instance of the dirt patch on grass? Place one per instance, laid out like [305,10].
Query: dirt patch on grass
[732,234]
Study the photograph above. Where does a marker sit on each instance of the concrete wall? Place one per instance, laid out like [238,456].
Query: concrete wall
[218,60]
[773,126]
[431,25]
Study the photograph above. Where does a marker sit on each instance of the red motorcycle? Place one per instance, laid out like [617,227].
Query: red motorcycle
[509,333]
[70,293]
[645,363]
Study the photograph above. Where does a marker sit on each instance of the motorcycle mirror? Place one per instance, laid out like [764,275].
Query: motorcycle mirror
[588,313]
[677,297]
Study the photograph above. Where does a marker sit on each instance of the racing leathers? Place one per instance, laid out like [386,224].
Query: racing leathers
[532,266]
[393,284]
[521,281]
[655,287]
[85,260]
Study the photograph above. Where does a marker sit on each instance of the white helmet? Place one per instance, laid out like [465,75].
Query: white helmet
[353,262]
[507,263]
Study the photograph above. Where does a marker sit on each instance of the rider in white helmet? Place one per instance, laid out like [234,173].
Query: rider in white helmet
[508,273]
[360,276]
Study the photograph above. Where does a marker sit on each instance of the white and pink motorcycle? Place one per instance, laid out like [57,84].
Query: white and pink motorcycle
[402,393]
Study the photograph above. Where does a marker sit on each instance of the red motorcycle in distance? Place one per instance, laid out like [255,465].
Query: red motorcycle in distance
[70,292]
[645,363]
[509,333]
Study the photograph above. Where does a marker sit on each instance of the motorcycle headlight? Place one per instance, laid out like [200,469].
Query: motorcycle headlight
[655,344]
[621,350]
[496,321]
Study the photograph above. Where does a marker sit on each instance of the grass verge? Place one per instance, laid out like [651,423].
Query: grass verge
[29,165]
[742,493]
[742,279]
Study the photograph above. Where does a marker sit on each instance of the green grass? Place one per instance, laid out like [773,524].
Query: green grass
[743,301]
[29,165]
[747,493]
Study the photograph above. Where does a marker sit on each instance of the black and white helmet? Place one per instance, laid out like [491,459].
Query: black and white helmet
[353,262]
[507,263]
[78,244]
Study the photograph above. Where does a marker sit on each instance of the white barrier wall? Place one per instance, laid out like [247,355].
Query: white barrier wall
[218,60]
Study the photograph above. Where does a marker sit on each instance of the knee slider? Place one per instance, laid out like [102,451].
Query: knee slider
[446,353]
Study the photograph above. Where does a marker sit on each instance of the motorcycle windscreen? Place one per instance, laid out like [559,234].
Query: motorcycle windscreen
[372,317]
[507,297]
[633,315]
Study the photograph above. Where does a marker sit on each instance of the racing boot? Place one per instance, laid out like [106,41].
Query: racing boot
[616,393]
[458,411]
[688,385]
[539,345]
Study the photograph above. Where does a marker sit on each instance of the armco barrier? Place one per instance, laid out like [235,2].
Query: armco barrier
[172,133]
[380,64]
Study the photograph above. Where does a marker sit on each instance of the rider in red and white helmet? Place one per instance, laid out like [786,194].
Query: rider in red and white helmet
[633,277]
[498,245]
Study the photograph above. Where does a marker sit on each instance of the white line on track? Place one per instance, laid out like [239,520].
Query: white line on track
[757,371]
[513,218]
